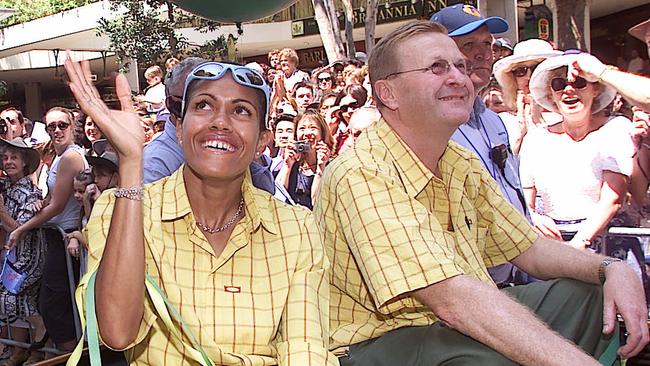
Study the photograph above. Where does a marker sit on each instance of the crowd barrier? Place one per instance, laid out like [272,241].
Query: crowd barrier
[23,323]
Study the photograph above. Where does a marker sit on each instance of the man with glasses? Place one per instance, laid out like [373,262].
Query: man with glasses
[485,133]
[410,221]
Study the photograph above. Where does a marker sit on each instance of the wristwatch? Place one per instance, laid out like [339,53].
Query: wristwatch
[603,266]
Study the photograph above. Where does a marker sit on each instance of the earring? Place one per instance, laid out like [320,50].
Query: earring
[258,154]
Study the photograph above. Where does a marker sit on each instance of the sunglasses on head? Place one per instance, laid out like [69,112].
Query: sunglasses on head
[558,84]
[242,75]
[523,70]
[51,127]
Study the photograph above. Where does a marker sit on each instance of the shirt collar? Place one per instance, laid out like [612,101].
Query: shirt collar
[477,109]
[170,128]
[414,174]
[259,207]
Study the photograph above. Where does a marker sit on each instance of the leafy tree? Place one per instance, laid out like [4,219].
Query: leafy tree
[27,10]
[146,32]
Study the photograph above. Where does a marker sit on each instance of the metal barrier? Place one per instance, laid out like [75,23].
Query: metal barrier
[23,323]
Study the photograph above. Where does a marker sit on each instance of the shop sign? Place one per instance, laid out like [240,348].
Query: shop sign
[397,11]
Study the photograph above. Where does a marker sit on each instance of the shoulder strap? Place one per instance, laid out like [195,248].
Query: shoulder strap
[160,302]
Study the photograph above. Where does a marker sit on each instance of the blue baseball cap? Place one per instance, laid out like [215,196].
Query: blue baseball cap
[462,19]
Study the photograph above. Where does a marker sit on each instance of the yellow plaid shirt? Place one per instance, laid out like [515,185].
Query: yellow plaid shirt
[263,301]
[391,227]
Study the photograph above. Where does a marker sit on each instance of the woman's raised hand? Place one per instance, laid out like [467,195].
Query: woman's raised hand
[121,127]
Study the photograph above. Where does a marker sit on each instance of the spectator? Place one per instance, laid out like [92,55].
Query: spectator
[594,152]
[63,211]
[513,74]
[154,97]
[289,66]
[291,261]
[360,120]
[91,131]
[274,60]
[349,100]
[18,204]
[284,135]
[484,133]
[305,161]
[303,94]
[15,122]
[636,64]
[170,63]
[325,81]
[501,47]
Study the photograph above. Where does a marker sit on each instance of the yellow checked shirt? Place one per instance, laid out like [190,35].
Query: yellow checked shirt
[391,227]
[263,301]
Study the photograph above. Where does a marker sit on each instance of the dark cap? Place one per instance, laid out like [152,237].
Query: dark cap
[462,19]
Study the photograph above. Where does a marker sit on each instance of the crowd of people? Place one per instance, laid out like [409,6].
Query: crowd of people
[359,214]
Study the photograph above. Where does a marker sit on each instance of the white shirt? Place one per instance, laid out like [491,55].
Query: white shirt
[568,174]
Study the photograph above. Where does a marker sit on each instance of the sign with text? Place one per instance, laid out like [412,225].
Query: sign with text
[396,11]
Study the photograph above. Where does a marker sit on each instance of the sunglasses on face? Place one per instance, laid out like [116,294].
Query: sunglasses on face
[322,80]
[523,70]
[216,70]
[558,84]
[348,107]
[61,125]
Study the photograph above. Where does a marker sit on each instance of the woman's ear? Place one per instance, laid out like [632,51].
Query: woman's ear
[264,140]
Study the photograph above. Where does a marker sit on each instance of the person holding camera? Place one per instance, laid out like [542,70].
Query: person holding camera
[306,158]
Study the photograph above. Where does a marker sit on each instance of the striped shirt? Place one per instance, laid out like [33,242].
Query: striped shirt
[263,301]
[391,227]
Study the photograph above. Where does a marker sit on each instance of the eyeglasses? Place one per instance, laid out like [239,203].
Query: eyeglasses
[51,127]
[346,107]
[439,67]
[523,70]
[242,75]
[559,84]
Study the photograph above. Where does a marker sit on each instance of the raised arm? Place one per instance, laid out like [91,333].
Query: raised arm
[120,277]
[635,88]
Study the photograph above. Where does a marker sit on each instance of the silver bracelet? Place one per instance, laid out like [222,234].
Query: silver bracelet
[133,193]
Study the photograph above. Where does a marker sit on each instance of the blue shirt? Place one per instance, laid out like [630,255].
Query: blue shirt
[480,134]
[163,156]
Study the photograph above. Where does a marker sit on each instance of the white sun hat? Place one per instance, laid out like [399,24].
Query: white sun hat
[540,82]
[528,50]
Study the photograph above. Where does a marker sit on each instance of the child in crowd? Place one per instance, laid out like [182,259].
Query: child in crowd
[154,96]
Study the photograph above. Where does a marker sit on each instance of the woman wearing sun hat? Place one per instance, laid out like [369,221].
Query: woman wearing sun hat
[579,167]
[513,74]
[17,206]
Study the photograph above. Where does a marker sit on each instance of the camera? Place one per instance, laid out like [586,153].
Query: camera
[302,146]
[3,126]
[499,155]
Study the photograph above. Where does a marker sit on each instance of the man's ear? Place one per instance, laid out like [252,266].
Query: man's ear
[386,94]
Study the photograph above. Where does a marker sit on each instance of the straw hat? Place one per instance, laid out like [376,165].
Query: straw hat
[540,83]
[33,159]
[529,50]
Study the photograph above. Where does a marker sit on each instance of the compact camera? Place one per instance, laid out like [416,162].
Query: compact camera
[302,146]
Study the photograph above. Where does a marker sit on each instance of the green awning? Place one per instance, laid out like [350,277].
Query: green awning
[233,11]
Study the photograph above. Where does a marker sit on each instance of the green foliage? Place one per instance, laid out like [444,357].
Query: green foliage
[27,10]
[146,32]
